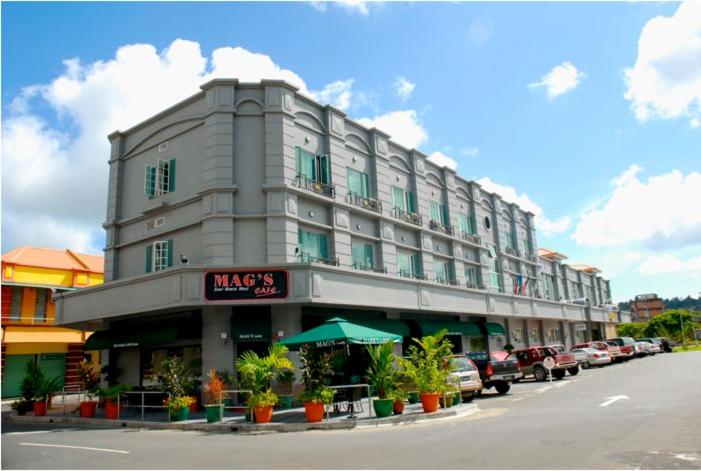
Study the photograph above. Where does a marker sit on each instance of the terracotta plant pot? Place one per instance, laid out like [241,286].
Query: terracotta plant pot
[194,407]
[397,407]
[87,409]
[314,411]
[111,409]
[39,408]
[429,401]
[263,415]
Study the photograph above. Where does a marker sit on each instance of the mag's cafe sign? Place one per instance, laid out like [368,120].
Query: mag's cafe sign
[245,285]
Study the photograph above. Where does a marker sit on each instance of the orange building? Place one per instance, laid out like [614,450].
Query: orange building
[30,278]
[646,306]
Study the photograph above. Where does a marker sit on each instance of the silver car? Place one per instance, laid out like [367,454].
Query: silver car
[594,357]
[643,348]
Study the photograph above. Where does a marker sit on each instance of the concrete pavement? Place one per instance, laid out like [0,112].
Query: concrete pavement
[565,424]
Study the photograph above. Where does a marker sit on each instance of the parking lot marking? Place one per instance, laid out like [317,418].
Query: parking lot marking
[50,445]
[33,432]
[612,399]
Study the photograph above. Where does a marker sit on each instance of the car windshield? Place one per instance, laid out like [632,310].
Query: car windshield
[479,356]
[461,364]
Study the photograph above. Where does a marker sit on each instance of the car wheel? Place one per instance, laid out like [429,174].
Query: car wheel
[502,387]
[468,397]
[574,370]
[586,365]
[558,374]
[540,374]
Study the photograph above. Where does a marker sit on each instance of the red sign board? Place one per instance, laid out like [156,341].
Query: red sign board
[245,285]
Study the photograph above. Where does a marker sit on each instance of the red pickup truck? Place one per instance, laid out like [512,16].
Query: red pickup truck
[530,361]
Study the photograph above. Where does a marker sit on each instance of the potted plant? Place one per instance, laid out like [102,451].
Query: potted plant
[429,366]
[399,395]
[213,397]
[44,391]
[21,406]
[381,375]
[285,379]
[256,373]
[316,372]
[31,382]
[111,397]
[178,407]
[193,385]
[91,386]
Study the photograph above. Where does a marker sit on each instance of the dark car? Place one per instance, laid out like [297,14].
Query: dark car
[497,369]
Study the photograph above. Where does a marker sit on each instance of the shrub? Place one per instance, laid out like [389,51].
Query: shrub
[175,378]
[381,373]
[213,390]
[90,379]
[32,381]
[265,398]
[176,404]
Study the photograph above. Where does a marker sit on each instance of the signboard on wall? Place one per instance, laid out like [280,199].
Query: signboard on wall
[580,327]
[245,285]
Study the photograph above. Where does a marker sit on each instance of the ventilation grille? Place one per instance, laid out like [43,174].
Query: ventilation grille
[162,146]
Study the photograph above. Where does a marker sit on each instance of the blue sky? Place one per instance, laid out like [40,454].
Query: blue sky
[586,157]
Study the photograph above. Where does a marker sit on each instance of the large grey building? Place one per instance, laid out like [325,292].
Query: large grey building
[249,212]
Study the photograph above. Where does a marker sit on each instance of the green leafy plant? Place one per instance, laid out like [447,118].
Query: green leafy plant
[32,381]
[256,373]
[22,406]
[285,379]
[175,378]
[214,389]
[316,374]
[428,363]
[265,398]
[381,372]
[399,395]
[176,404]
[322,394]
[46,388]
[114,392]
[90,379]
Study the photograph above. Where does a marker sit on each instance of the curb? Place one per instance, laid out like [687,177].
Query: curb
[245,428]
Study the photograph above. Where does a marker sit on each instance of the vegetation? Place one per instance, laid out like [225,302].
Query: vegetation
[46,388]
[285,379]
[673,303]
[175,378]
[667,324]
[90,379]
[176,404]
[214,389]
[256,373]
[265,398]
[428,363]
[316,374]
[32,381]
[113,392]
[381,373]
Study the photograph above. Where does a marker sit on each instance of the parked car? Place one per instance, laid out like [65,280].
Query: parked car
[580,354]
[593,357]
[627,346]
[530,360]
[497,369]
[559,348]
[656,344]
[466,376]
[666,345]
[613,350]
[643,348]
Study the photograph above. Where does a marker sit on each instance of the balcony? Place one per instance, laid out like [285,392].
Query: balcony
[444,228]
[408,217]
[418,276]
[10,320]
[366,203]
[532,258]
[511,251]
[361,266]
[305,257]
[475,239]
[316,186]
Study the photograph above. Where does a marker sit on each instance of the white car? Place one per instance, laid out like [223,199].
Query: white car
[656,345]
[594,357]
[580,354]
[466,375]
[643,348]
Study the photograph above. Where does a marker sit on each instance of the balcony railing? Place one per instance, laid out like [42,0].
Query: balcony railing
[361,266]
[316,186]
[363,202]
[305,257]
[27,321]
[512,251]
[444,228]
[408,274]
[532,257]
[475,239]
[408,217]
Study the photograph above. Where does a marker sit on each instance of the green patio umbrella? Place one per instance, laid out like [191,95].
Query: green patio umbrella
[340,331]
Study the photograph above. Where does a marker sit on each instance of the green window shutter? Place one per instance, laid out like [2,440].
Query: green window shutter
[411,202]
[439,268]
[170,252]
[171,176]
[369,258]
[398,198]
[354,185]
[323,246]
[471,225]
[149,258]
[325,174]
[357,253]
[150,181]
[444,215]
[492,251]
[463,225]
[434,211]
[298,159]
[365,185]
[403,263]
[415,264]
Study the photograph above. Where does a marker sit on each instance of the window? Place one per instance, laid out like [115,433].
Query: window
[548,286]
[40,308]
[403,200]
[517,335]
[471,276]
[16,304]
[362,255]
[509,240]
[159,255]
[160,179]
[494,278]
[312,245]
[438,213]
[408,264]
[313,167]
[466,224]
[443,269]
[358,183]
[487,223]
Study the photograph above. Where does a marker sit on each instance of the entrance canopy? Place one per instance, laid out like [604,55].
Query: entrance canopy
[494,329]
[338,330]
[145,334]
[468,329]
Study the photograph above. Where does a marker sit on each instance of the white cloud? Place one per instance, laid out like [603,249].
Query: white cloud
[479,31]
[336,93]
[403,126]
[442,160]
[661,212]
[665,81]
[350,6]
[546,226]
[403,88]
[560,80]
[470,151]
[665,264]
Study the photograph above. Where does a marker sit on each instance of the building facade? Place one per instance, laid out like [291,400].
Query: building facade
[249,212]
[646,306]
[31,276]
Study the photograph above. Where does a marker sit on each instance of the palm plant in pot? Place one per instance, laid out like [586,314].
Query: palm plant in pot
[257,374]
[426,364]
[91,386]
[175,379]
[399,395]
[316,373]
[285,379]
[111,397]
[381,375]
[31,382]
[213,397]
[44,390]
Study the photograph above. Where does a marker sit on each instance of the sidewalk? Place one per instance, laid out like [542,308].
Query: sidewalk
[291,420]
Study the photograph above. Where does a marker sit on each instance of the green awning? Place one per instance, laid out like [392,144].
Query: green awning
[146,336]
[468,329]
[494,329]
[339,331]
[393,326]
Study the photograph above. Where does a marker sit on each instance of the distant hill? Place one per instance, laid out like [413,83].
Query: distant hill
[673,303]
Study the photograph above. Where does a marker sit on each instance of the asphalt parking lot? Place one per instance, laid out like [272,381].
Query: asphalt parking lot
[645,413]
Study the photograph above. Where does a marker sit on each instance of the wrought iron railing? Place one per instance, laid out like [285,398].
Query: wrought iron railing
[376,269]
[363,202]
[475,239]
[316,186]
[512,251]
[444,228]
[406,216]
[305,257]
[408,274]
[532,257]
